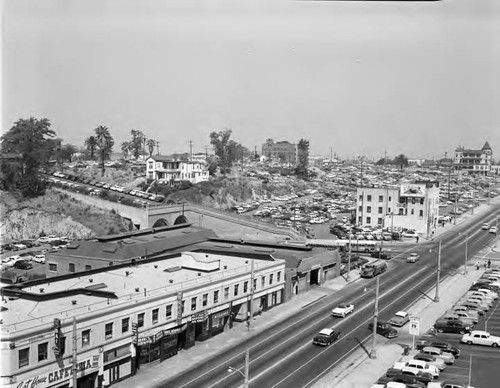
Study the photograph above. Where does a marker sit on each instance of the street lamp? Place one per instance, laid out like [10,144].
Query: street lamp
[244,375]
[373,351]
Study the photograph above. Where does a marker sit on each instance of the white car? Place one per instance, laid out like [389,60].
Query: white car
[424,367]
[494,230]
[487,292]
[399,319]
[10,261]
[479,337]
[485,226]
[413,258]
[342,310]
[39,259]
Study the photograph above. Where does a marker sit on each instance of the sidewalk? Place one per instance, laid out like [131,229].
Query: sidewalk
[151,375]
[358,370]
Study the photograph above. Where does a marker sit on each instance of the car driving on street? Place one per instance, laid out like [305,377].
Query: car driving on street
[413,258]
[326,337]
[342,310]
[400,319]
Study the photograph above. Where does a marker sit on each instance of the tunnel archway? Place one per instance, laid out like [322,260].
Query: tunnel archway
[181,220]
[160,222]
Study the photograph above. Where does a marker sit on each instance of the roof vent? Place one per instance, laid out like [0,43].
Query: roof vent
[171,280]
[137,289]
[156,265]
[91,280]
[225,267]
[127,273]
[42,290]
[199,273]
[73,301]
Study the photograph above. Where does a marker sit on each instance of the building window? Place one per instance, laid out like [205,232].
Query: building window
[379,221]
[278,277]
[360,197]
[183,303]
[236,287]
[412,211]
[380,210]
[421,213]
[71,267]
[24,357]
[169,311]
[421,201]
[155,316]
[381,198]
[245,287]
[88,267]
[125,324]
[369,198]
[368,220]
[193,303]
[368,209]
[389,210]
[401,211]
[53,267]
[85,338]
[263,281]
[140,320]
[43,352]
[108,330]
[226,293]
[216,296]
[254,284]
[204,301]
[360,208]
[271,276]
[390,198]
[360,220]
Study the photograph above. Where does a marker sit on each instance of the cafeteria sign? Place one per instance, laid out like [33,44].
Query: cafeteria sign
[414,325]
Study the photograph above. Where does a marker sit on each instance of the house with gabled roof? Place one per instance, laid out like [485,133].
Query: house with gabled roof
[473,162]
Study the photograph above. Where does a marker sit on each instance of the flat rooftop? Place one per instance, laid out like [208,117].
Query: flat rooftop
[137,283]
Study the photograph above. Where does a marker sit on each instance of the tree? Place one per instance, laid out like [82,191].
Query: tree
[211,165]
[105,144]
[67,151]
[30,139]
[151,144]
[91,145]
[401,161]
[125,149]
[220,142]
[303,158]
[383,162]
[137,143]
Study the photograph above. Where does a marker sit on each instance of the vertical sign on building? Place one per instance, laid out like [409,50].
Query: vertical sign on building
[179,307]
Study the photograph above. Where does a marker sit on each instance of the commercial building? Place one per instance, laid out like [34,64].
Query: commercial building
[282,151]
[410,206]
[473,162]
[175,169]
[100,325]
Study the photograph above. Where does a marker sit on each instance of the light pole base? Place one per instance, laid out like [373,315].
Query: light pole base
[373,354]
[436,299]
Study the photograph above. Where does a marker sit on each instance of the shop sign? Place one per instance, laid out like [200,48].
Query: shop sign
[61,374]
[199,317]
[177,330]
[159,335]
[221,314]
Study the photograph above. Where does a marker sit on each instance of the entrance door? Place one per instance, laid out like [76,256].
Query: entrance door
[114,373]
[314,276]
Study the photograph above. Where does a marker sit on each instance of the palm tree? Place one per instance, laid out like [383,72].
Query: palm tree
[105,144]
[151,146]
[125,149]
[91,145]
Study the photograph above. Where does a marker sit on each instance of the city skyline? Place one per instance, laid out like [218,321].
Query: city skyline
[359,78]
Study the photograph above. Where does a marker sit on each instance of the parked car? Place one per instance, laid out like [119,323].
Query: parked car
[494,230]
[385,329]
[466,310]
[448,384]
[39,259]
[451,326]
[420,375]
[485,291]
[326,337]
[446,347]
[448,358]
[424,367]
[342,310]
[463,316]
[400,319]
[455,317]
[430,359]
[23,264]
[472,305]
[413,258]
[479,337]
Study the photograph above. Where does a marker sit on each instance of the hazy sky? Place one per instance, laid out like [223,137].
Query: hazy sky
[418,78]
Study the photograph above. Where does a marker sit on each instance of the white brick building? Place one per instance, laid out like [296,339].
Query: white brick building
[170,169]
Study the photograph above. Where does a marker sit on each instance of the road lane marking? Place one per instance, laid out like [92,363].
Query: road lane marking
[357,311]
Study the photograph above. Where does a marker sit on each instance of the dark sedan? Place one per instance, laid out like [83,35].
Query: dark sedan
[326,337]
[446,347]
[451,326]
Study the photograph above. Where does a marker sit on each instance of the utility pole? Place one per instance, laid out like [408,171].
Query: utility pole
[436,297]
[465,258]
[190,150]
[455,211]
[250,303]
[157,147]
[349,259]
[73,361]
[373,352]
[247,368]
[331,153]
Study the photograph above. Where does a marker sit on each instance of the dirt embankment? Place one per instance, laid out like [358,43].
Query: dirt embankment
[54,213]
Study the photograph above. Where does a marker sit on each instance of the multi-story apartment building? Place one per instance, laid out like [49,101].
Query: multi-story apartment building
[411,206]
[98,326]
[473,162]
[282,151]
[172,169]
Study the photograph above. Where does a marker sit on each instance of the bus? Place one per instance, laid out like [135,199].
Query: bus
[370,270]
